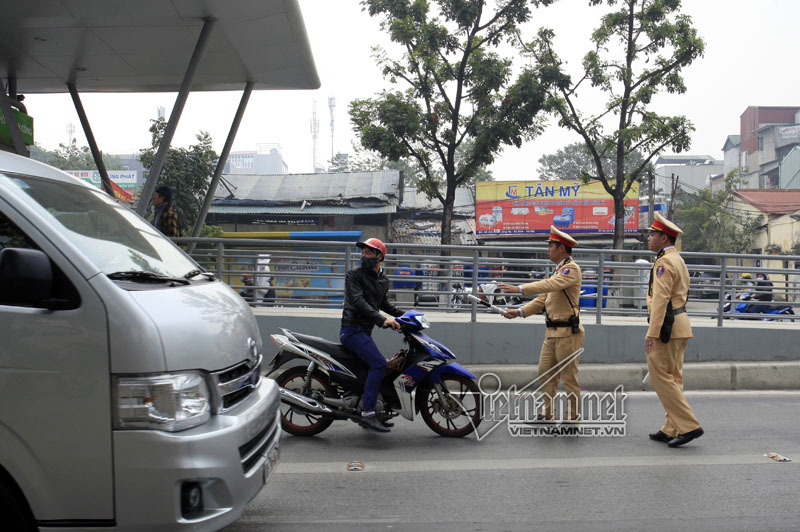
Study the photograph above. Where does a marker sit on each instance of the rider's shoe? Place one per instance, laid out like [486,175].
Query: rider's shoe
[371,421]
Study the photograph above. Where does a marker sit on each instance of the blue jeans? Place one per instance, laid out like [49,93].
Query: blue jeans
[362,344]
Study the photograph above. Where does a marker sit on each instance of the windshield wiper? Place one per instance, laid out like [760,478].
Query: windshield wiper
[194,273]
[145,277]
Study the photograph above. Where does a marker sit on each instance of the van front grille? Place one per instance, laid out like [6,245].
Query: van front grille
[235,384]
[252,451]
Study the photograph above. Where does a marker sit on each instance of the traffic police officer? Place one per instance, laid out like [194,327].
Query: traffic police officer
[564,335]
[666,304]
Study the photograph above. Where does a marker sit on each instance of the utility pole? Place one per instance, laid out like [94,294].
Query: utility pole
[671,208]
[651,201]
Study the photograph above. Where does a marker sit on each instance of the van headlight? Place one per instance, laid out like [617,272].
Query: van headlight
[169,402]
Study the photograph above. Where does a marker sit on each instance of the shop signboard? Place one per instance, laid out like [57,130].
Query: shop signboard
[25,124]
[521,207]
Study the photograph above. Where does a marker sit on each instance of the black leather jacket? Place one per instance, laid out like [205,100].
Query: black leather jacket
[364,294]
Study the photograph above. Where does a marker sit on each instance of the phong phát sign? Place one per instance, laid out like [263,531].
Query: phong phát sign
[518,207]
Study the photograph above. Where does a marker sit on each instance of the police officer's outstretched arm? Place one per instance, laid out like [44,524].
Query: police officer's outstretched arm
[556,283]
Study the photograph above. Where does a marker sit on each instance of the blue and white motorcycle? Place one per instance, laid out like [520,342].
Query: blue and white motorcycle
[427,381]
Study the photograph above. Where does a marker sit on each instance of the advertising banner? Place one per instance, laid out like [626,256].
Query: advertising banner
[124,179]
[25,124]
[520,207]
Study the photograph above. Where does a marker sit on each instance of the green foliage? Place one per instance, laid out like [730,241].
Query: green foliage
[574,161]
[187,171]
[640,49]
[72,158]
[458,102]
[711,226]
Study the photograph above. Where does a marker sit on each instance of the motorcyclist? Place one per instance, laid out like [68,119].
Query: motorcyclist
[365,292]
[763,293]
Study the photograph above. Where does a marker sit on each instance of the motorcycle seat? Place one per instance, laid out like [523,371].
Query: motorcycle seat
[334,349]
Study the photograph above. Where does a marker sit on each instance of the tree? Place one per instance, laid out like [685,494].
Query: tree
[710,226]
[640,48]
[458,92]
[574,161]
[72,158]
[187,171]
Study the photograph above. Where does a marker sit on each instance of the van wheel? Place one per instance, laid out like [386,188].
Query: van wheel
[14,511]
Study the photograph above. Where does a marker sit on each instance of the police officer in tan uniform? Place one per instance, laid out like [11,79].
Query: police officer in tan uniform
[564,336]
[666,302]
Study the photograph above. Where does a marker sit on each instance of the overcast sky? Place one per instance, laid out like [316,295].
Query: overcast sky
[750,59]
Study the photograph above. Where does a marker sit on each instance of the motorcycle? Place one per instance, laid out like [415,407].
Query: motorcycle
[487,292]
[427,381]
[751,306]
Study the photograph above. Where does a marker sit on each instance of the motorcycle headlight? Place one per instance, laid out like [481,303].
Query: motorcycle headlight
[423,321]
[169,402]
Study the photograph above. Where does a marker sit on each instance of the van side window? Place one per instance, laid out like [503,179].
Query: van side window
[11,236]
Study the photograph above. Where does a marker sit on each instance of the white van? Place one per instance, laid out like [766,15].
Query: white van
[131,395]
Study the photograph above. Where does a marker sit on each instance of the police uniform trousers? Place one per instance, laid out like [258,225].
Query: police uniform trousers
[665,363]
[554,350]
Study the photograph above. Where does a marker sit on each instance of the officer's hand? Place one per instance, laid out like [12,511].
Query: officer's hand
[510,288]
[391,323]
[649,344]
[511,314]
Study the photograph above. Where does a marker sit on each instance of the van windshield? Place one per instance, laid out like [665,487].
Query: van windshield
[109,234]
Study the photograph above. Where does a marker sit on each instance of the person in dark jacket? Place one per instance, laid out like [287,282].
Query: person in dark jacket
[166,217]
[365,291]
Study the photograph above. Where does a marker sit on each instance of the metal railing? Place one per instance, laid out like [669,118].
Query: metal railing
[310,274]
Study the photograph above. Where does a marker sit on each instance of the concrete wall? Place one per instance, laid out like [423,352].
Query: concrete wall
[494,340]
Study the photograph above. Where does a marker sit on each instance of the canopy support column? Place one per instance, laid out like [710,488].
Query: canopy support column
[223,158]
[87,130]
[174,117]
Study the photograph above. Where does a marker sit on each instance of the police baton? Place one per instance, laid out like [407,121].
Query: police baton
[485,304]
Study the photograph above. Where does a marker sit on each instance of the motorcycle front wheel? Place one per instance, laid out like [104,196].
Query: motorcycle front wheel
[461,412]
[294,420]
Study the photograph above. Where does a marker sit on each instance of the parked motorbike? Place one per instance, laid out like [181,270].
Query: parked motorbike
[487,292]
[749,305]
[427,381]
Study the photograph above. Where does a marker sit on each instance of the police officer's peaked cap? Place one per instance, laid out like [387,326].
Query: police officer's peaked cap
[561,236]
[665,226]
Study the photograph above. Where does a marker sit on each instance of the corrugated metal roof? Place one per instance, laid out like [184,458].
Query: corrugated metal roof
[322,210]
[430,232]
[346,186]
[773,201]
[414,200]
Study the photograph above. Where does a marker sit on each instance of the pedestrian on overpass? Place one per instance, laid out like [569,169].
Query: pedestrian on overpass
[558,298]
[668,334]
[365,290]
[166,217]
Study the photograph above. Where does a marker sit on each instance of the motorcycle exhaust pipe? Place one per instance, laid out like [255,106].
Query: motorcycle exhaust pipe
[309,405]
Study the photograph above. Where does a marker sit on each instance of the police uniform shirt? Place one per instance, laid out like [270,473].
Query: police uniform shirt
[670,282]
[567,277]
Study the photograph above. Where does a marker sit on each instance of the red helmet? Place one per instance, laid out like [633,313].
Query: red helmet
[373,243]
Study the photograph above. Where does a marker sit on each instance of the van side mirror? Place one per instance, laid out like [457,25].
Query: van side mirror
[26,277]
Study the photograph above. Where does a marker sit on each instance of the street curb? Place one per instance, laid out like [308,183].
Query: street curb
[696,376]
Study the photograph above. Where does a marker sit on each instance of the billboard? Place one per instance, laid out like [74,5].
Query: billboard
[124,179]
[520,207]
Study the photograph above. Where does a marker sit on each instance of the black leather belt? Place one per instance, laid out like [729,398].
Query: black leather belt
[679,310]
[553,324]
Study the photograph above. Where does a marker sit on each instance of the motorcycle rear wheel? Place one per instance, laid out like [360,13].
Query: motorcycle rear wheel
[460,416]
[294,420]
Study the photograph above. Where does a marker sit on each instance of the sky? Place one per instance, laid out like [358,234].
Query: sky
[749,60]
